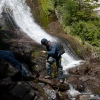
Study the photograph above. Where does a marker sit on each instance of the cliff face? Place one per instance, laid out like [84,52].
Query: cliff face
[22,47]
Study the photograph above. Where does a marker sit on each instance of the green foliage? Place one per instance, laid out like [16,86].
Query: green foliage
[67,10]
[96,43]
[67,29]
[47,5]
[75,10]
[98,57]
[88,31]
[77,17]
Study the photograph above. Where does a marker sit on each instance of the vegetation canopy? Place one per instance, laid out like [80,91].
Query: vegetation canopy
[77,18]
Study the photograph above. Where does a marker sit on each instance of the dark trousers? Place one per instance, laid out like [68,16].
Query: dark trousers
[49,62]
[9,57]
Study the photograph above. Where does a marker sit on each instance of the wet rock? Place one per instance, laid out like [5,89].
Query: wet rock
[19,90]
[21,45]
[22,91]
[66,96]
[6,69]
[82,97]
[81,70]
[77,84]
[50,93]
[5,81]
[73,71]
[94,85]
[86,78]
[54,83]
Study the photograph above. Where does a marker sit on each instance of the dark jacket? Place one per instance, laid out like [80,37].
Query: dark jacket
[9,56]
[53,50]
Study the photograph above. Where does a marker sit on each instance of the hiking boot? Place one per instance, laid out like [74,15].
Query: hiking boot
[47,77]
[61,81]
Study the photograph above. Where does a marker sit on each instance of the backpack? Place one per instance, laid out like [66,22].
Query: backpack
[61,48]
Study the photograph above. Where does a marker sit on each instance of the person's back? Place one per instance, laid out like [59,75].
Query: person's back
[53,50]
[61,48]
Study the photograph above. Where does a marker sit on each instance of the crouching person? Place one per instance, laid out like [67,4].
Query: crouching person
[54,55]
[9,57]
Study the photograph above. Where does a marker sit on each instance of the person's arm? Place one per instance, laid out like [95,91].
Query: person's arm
[52,51]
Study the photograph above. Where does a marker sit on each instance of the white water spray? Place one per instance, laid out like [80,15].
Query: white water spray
[21,14]
[73,93]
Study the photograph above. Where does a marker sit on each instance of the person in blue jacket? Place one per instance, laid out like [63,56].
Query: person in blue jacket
[54,55]
[9,57]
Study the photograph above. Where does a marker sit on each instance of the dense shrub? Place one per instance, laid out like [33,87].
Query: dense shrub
[88,31]
[77,18]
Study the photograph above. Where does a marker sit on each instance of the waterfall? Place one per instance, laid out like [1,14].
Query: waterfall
[21,14]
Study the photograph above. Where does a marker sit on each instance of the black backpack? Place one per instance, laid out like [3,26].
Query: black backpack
[60,46]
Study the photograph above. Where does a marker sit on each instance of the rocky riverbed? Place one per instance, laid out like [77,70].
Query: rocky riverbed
[83,78]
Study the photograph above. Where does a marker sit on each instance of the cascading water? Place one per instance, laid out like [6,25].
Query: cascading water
[21,14]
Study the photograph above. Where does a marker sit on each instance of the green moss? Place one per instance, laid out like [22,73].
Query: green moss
[47,6]
[54,70]
[34,54]
[43,11]
[60,95]
[98,57]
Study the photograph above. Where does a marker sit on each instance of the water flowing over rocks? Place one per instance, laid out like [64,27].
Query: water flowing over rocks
[86,76]
[23,48]
[83,78]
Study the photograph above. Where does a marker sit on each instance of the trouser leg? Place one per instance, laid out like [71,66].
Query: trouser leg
[48,65]
[13,61]
[9,56]
[60,69]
